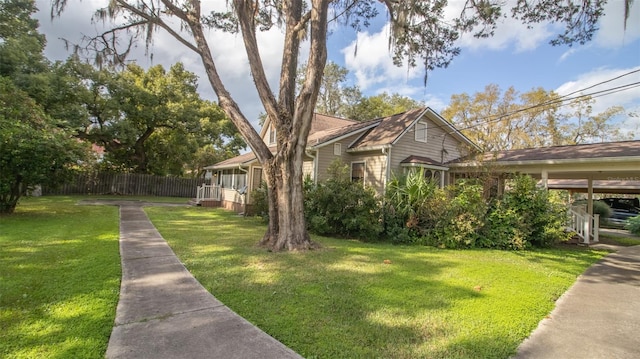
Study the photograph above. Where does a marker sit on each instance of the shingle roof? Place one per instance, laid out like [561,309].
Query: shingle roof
[420,160]
[380,132]
[325,122]
[234,161]
[323,128]
[320,137]
[389,130]
[595,150]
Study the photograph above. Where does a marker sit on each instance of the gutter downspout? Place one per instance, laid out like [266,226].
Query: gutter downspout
[314,173]
[386,151]
[244,195]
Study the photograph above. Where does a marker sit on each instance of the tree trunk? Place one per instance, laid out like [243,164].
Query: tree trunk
[287,227]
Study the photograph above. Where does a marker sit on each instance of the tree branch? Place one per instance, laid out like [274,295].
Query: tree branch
[155,19]
[224,97]
[245,11]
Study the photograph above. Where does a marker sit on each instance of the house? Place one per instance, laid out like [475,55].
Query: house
[375,150]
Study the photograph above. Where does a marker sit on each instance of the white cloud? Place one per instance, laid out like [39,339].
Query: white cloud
[510,33]
[600,80]
[572,51]
[369,59]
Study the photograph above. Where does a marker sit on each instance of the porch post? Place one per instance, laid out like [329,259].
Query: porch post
[545,179]
[589,209]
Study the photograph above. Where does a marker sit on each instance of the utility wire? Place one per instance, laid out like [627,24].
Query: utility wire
[566,98]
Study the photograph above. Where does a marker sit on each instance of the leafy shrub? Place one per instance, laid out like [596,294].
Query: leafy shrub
[461,214]
[503,228]
[603,210]
[416,210]
[543,214]
[260,202]
[633,225]
[405,214]
[341,207]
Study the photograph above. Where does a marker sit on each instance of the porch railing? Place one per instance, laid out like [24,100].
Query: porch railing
[585,226]
[208,192]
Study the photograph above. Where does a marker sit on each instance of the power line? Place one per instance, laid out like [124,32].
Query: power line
[565,98]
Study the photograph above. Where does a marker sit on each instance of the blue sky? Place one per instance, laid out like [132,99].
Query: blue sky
[516,56]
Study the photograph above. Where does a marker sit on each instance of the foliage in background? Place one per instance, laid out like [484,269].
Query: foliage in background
[497,120]
[35,147]
[339,206]
[33,150]
[633,225]
[603,209]
[142,118]
[336,98]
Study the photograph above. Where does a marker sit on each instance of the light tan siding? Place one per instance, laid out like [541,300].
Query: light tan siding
[375,168]
[307,168]
[326,156]
[440,146]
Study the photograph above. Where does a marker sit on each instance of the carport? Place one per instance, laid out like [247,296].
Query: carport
[609,167]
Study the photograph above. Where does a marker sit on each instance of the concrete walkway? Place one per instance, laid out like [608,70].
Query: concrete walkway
[597,318]
[163,310]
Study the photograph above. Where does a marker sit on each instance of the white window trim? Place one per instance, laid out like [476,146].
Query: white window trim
[415,132]
[273,138]
[364,172]
[337,149]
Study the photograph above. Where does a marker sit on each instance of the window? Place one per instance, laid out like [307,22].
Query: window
[272,135]
[357,172]
[420,131]
[240,180]
[226,179]
[233,179]
[337,149]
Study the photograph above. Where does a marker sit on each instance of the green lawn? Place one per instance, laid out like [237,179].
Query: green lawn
[627,241]
[59,279]
[343,301]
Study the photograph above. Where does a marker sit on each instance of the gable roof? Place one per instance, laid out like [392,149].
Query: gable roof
[392,128]
[323,138]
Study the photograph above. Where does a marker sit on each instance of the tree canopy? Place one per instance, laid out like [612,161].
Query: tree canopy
[35,148]
[142,118]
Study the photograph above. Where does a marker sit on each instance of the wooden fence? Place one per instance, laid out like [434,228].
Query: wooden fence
[128,184]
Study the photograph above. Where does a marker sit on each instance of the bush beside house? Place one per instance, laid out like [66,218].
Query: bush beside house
[633,225]
[415,210]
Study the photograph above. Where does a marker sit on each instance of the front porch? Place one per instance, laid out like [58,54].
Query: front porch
[212,195]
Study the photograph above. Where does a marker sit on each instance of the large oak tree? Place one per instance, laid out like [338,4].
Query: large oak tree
[420,36]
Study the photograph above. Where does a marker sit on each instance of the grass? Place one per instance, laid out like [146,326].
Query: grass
[59,279]
[109,197]
[619,241]
[343,301]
